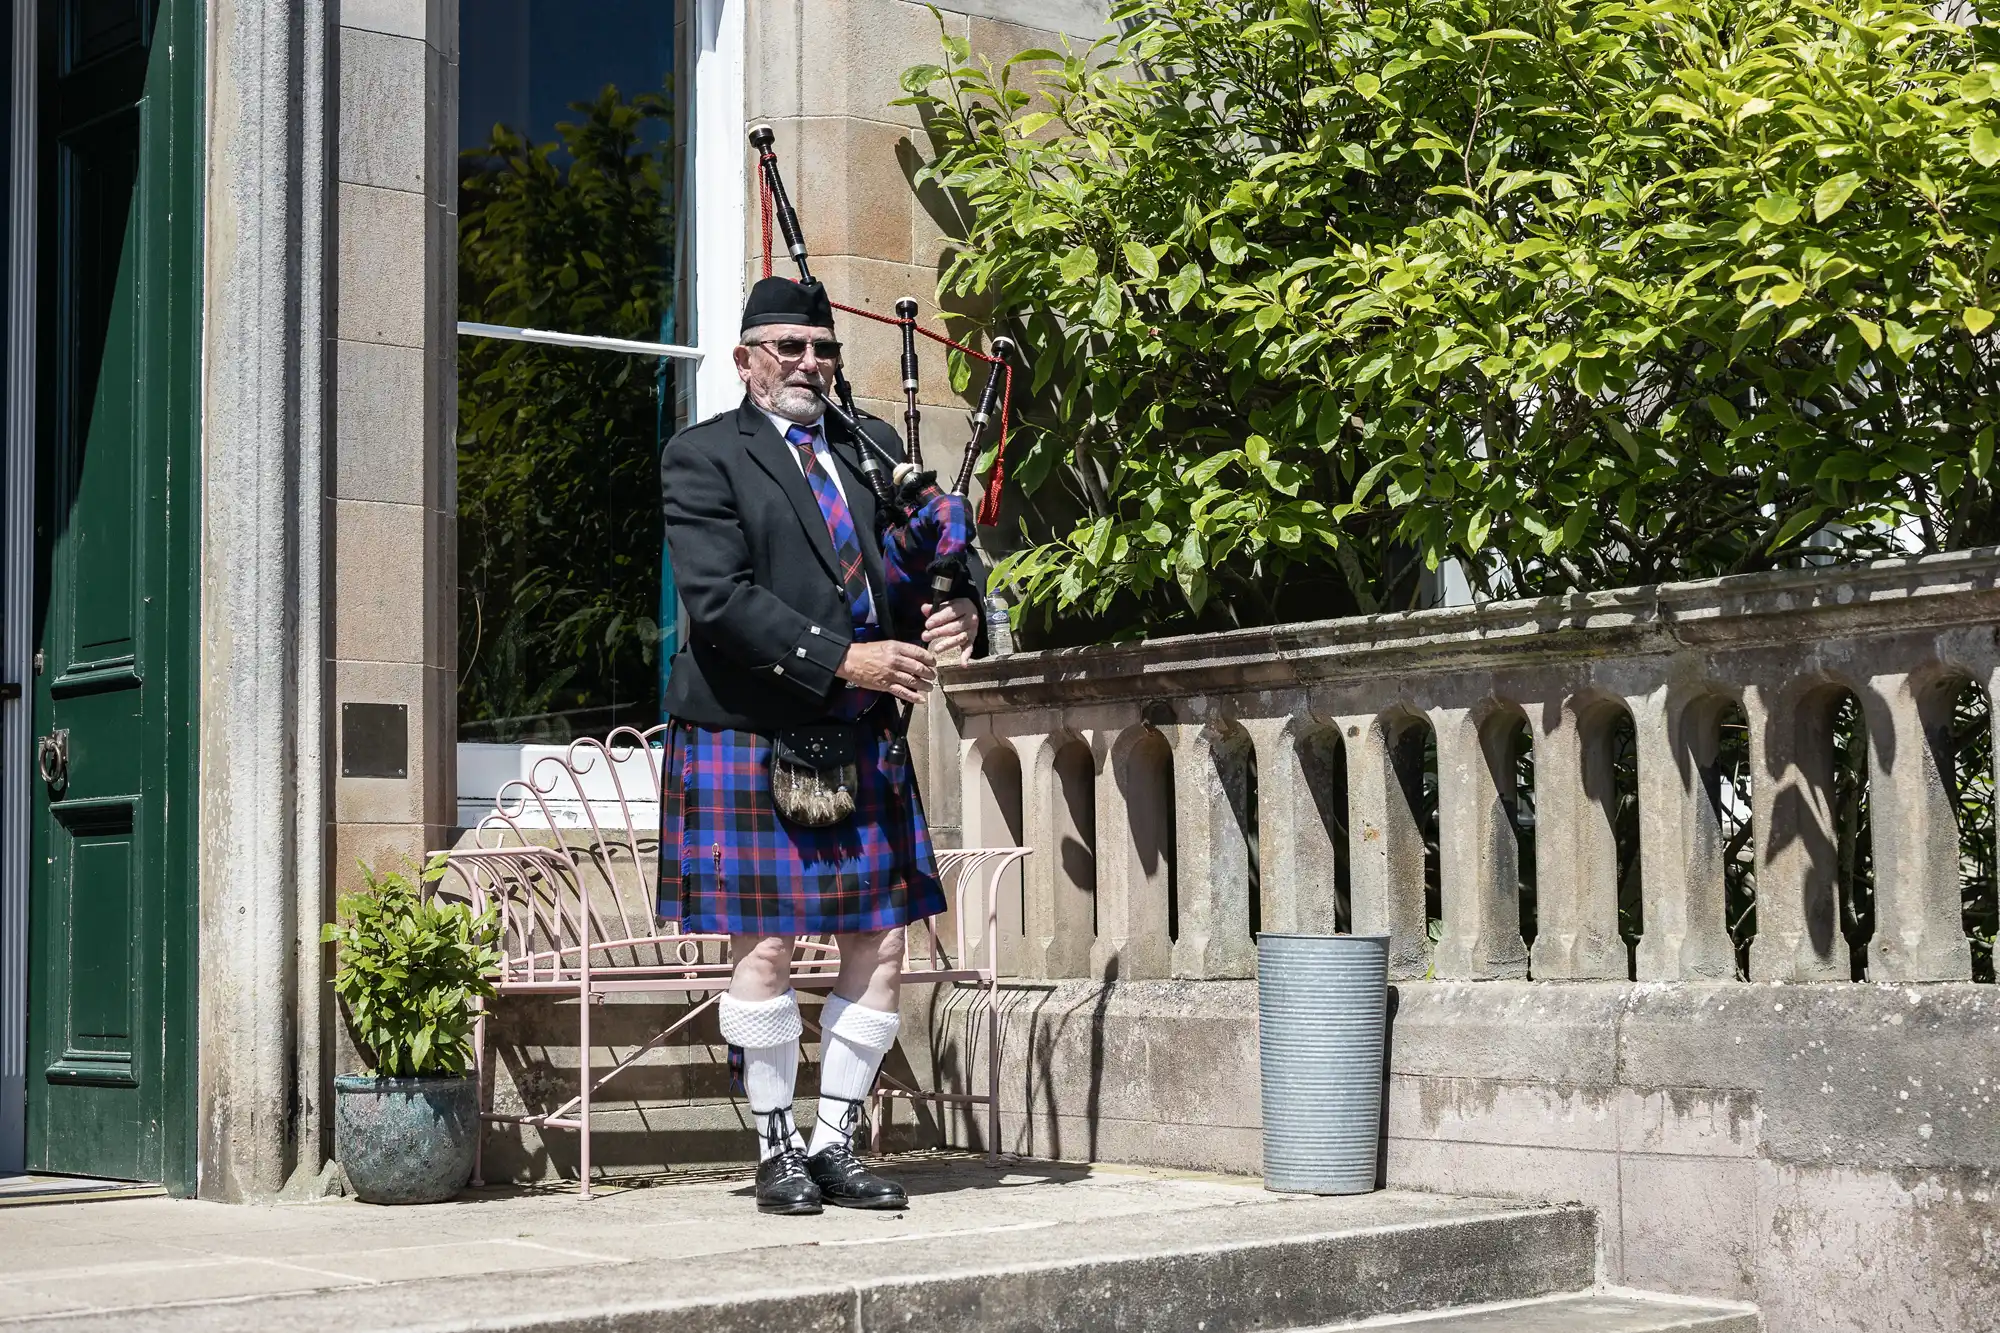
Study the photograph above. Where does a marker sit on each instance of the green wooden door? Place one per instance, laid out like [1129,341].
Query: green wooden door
[110,1001]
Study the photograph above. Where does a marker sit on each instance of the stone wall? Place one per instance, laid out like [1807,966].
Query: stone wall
[1830,1152]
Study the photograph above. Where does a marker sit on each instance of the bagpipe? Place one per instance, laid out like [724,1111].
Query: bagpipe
[926,530]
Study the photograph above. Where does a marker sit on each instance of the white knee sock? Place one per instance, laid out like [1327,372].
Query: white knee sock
[853,1041]
[767,1031]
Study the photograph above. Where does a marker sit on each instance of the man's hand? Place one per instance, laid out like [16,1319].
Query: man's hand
[948,629]
[889,666]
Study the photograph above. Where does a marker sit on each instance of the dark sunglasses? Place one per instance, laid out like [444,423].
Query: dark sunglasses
[791,349]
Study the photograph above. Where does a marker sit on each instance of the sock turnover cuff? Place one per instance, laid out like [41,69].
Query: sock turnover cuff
[869,1029]
[757,1025]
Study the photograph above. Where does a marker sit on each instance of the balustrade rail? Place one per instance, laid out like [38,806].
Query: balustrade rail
[1782,776]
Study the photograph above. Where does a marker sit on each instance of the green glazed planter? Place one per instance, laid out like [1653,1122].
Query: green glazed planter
[405,1140]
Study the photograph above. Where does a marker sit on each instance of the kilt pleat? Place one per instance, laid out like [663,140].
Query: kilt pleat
[730,863]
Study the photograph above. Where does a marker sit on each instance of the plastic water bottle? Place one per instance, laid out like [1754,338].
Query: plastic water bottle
[999,630]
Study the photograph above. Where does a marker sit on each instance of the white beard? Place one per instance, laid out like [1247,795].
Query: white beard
[795,402]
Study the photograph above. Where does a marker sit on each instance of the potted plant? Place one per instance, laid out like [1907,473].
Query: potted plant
[410,966]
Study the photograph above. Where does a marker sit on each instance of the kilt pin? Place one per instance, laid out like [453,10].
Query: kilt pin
[729,863]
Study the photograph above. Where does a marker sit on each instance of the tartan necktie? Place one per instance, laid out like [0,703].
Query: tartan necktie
[839,525]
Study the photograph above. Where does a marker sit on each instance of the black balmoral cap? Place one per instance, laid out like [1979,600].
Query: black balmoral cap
[776,300]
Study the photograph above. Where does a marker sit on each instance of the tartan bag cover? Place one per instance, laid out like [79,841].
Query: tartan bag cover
[729,863]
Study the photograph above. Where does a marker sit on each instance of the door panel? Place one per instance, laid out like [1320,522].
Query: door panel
[104,239]
[100,438]
[110,916]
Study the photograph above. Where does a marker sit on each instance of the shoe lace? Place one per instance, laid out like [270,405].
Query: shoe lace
[850,1117]
[778,1129]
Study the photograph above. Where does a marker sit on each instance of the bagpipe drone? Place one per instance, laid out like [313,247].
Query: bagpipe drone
[926,531]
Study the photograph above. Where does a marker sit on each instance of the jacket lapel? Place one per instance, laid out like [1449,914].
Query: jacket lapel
[771,453]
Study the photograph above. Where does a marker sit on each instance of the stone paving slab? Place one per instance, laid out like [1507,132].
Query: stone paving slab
[28,1190]
[1587,1312]
[1029,1245]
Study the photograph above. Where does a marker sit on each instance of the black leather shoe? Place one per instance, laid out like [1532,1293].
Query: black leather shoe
[845,1183]
[785,1185]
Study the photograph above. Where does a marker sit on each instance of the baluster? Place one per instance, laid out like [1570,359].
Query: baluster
[1060,813]
[1576,866]
[1289,872]
[992,805]
[1919,922]
[1386,847]
[1478,856]
[1680,839]
[1791,760]
[1211,765]
[1135,847]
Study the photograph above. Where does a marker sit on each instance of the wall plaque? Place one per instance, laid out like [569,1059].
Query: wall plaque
[374,740]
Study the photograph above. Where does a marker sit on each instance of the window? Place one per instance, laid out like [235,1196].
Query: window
[571,172]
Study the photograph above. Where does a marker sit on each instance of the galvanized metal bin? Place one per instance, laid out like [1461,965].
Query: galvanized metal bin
[1322,1003]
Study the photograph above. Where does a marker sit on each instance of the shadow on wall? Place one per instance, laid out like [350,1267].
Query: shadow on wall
[1388,1063]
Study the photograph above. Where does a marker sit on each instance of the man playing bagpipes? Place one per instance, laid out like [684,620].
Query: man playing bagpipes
[788,803]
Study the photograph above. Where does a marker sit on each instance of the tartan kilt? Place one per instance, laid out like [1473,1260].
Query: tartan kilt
[729,864]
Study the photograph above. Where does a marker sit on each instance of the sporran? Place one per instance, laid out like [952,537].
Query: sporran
[815,771]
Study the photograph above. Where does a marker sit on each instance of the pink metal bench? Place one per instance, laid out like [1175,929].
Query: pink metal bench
[564,857]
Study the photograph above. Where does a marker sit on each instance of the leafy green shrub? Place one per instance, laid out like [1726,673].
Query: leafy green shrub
[409,967]
[1581,294]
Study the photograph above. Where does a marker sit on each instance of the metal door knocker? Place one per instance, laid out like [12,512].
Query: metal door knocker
[52,758]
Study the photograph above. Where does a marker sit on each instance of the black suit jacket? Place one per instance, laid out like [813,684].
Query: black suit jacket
[768,621]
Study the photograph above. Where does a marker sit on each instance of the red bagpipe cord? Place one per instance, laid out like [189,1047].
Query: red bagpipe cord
[989,503]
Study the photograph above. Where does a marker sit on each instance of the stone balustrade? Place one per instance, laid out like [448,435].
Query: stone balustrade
[1184,793]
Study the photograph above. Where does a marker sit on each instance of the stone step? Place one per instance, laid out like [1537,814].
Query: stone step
[1583,1312]
[1028,1247]
[1046,1247]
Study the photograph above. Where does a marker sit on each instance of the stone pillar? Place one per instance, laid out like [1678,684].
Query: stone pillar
[1479,855]
[1387,847]
[1680,840]
[1211,767]
[395,523]
[1135,842]
[1058,780]
[262,725]
[1919,914]
[1576,867]
[1798,914]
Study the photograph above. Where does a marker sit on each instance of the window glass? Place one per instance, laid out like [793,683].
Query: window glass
[569,175]
[98,28]
[559,542]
